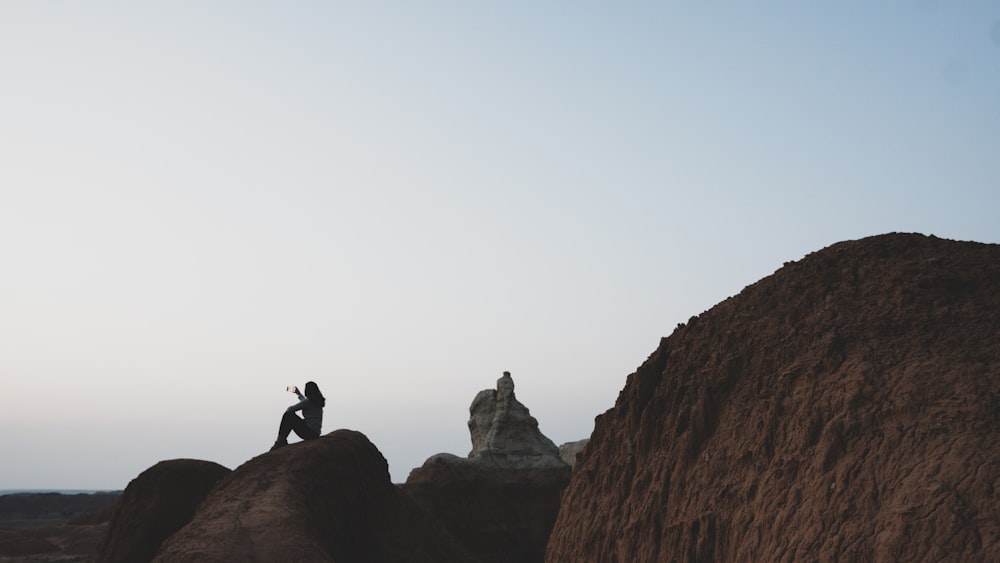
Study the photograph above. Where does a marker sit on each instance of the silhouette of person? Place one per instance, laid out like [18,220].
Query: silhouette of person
[307,428]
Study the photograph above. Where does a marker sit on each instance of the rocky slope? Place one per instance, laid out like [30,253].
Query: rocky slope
[846,408]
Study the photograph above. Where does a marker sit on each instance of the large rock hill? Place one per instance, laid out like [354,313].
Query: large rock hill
[845,408]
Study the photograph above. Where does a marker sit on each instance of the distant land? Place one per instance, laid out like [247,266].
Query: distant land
[60,491]
[53,525]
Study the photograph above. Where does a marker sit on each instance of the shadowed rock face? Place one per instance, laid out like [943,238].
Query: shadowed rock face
[156,504]
[328,499]
[845,408]
[500,515]
[502,500]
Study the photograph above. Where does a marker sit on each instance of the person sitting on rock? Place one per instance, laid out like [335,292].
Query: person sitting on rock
[308,428]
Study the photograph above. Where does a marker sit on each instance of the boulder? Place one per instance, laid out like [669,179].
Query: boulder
[328,499]
[845,408]
[156,504]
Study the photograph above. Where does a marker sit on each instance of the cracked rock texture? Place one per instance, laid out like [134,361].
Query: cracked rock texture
[845,408]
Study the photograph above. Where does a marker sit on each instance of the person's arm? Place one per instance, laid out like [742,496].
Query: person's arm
[299,405]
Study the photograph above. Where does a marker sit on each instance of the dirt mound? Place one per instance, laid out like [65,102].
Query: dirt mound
[846,407]
[500,515]
[155,505]
[329,499]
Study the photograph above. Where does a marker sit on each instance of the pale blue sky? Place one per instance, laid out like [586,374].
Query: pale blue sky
[204,202]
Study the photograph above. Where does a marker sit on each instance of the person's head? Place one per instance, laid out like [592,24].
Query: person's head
[312,393]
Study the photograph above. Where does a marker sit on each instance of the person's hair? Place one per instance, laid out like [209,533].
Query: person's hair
[313,394]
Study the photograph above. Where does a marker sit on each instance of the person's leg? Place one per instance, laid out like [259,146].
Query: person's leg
[290,422]
[287,420]
[300,428]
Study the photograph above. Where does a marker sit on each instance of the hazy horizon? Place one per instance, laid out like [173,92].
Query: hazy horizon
[202,203]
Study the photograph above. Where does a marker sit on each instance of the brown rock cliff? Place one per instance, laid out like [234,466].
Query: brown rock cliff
[846,408]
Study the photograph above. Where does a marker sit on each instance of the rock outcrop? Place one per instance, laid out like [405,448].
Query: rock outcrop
[155,505]
[501,501]
[328,499]
[570,450]
[504,434]
[845,408]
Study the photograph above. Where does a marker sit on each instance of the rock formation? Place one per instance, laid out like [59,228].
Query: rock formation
[157,503]
[570,450]
[845,408]
[502,500]
[504,434]
[328,499]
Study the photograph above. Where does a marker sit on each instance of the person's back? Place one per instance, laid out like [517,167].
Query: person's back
[313,416]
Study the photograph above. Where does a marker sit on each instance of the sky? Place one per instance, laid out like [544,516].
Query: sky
[202,203]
